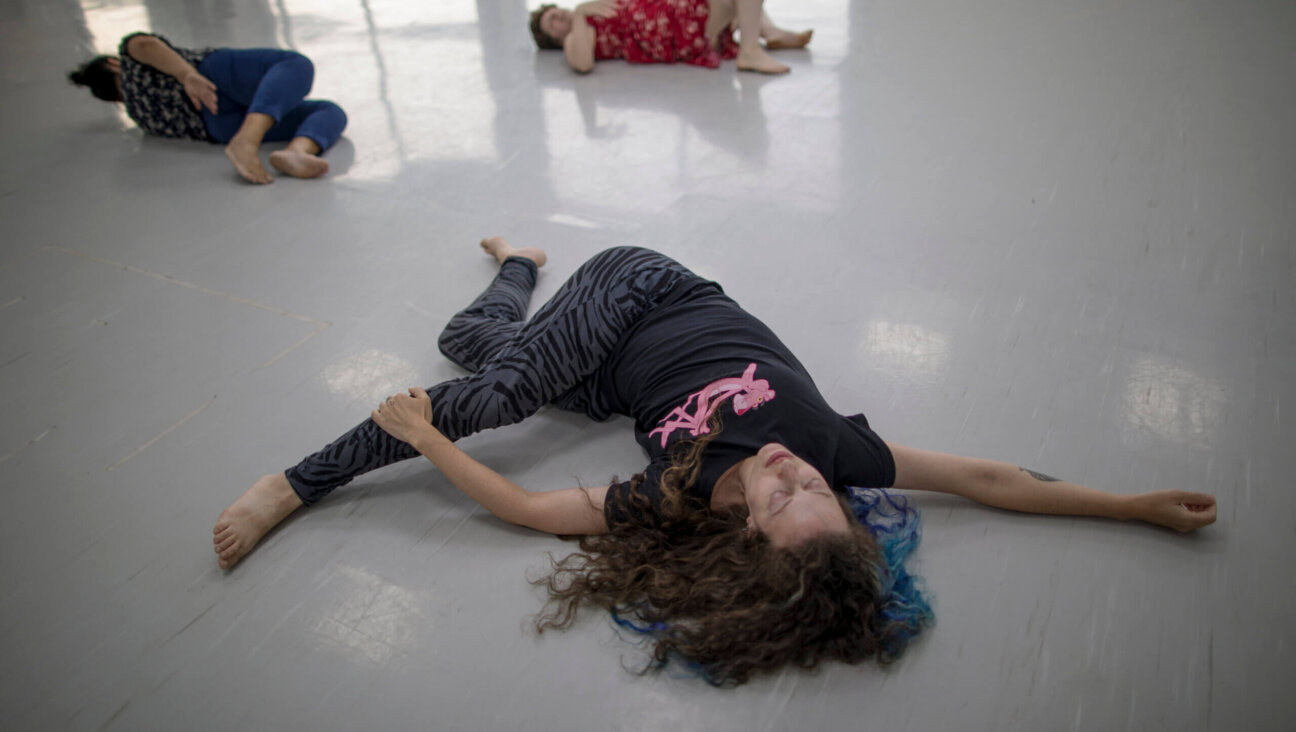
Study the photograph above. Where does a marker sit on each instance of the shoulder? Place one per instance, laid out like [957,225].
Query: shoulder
[634,500]
[864,459]
[130,44]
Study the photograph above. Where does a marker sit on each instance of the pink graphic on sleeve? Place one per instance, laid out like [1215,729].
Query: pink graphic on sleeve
[747,393]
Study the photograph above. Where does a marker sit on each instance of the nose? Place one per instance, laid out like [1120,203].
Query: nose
[787,472]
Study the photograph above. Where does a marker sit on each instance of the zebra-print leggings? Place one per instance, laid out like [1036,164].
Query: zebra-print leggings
[518,366]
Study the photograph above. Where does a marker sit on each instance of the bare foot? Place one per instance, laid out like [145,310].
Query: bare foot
[298,164]
[247,162]
[258,510]
[760,62]
[787,39]
[498,248]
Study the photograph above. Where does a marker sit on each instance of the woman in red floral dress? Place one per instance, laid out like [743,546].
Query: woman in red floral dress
[696,32]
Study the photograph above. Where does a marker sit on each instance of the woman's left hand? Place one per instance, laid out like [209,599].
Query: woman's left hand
[1179,510]
[405,416]
[201,91]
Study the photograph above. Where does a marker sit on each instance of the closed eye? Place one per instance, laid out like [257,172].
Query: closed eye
[778,501]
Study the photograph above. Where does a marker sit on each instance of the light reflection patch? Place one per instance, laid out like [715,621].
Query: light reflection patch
[1171,402]
[109,23]
[370,376]
[374,619]
[904,350]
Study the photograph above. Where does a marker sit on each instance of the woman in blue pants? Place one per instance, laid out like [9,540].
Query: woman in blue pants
[239,97]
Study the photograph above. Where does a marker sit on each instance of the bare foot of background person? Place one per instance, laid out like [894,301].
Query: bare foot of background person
[258,510]
[244,156]
[300,159]
[497,247]
[298,164]
[759,61]
[783,40]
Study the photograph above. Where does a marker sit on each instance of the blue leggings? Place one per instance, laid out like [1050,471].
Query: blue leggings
[518,365]
[268,81]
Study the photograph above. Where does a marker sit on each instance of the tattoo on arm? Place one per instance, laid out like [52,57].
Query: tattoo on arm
[1040,476]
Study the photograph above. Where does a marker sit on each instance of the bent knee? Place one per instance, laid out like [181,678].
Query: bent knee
[300,64]
[448,343]
[338,112]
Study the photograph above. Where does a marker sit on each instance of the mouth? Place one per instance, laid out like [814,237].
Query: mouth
[778,457]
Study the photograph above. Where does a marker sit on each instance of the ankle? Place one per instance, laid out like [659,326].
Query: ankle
[285,496]
[305,146]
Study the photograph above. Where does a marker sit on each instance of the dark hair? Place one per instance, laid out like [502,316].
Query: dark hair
[543,41]
[722,599]
[96,75]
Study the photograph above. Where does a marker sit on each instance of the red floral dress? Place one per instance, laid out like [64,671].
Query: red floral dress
[660,31]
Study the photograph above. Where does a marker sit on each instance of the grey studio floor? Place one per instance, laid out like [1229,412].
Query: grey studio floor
[1056,233]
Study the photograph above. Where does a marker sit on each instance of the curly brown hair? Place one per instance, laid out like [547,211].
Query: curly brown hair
[543,41]
[719,597]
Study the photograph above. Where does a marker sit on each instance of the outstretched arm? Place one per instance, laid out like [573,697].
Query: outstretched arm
[155,52]
[569,511]
[1017,489]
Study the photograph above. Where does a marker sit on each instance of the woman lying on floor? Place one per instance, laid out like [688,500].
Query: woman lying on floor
[695,32]
[745,544]
[239,97]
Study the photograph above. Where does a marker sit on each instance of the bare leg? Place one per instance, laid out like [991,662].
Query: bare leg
[719,20]
[498,248]
[243,148]
[300,159]
[777,39]
[258,510]
[751,57]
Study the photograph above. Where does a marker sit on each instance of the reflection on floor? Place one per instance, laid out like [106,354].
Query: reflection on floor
[1054,234]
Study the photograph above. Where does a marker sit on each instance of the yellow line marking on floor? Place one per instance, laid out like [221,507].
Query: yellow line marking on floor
[320,329]
[28,444]
[320,325]
[162,434]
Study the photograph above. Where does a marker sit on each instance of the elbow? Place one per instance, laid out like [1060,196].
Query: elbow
[579,53]
[987,476]
[983,481]
[522,511]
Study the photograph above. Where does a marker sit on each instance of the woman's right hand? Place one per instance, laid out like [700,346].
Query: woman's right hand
[598,9]
[201,91]
[1179,510]
[405,416]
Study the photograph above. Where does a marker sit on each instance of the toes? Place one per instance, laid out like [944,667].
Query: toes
[226,544]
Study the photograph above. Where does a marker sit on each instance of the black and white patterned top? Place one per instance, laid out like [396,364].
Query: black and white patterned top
[157,101]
